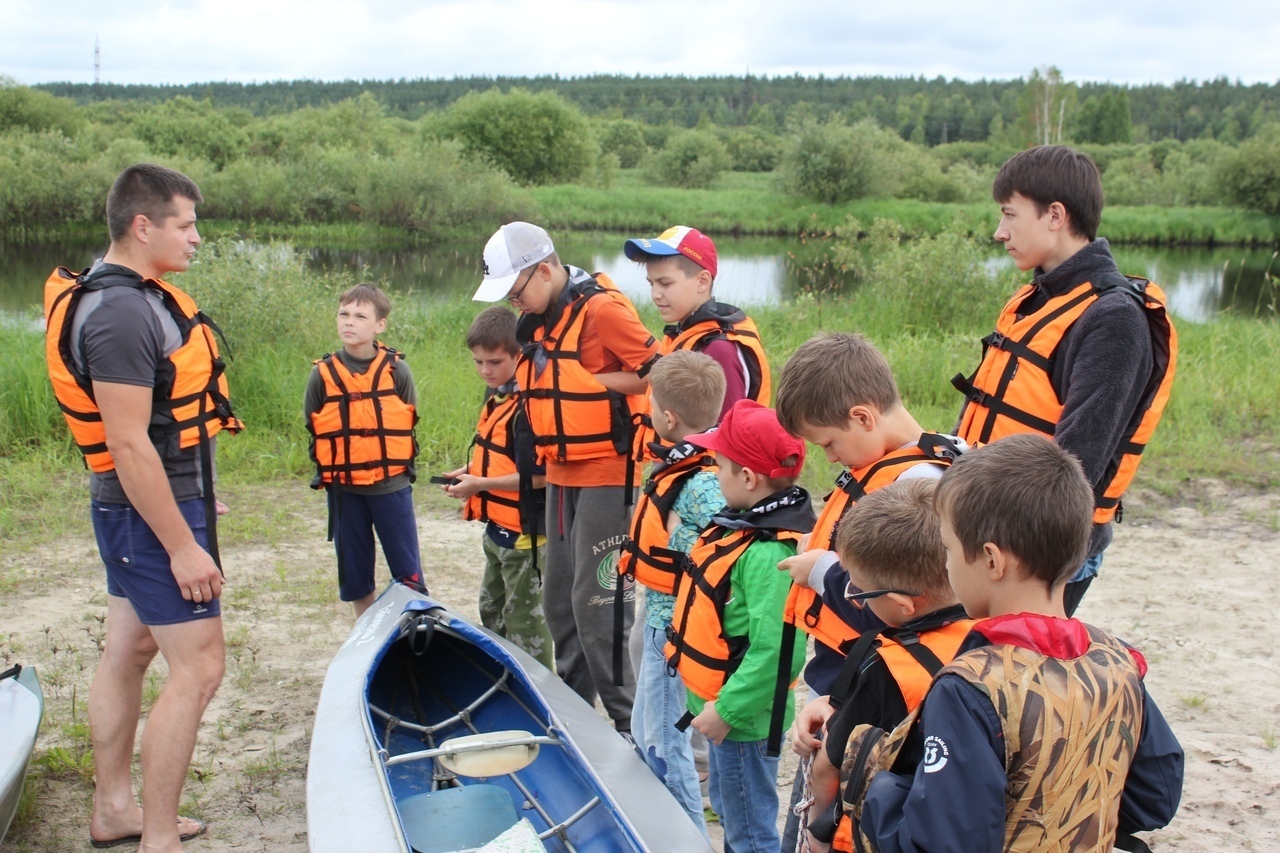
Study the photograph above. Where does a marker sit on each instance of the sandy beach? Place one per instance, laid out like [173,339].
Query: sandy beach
[1195,585]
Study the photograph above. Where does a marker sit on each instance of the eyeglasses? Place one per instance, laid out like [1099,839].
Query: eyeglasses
[514,295]
[858,599]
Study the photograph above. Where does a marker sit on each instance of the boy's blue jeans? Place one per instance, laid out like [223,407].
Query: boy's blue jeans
[660,702]
[744,792]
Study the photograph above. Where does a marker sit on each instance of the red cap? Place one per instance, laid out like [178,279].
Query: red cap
[751,436]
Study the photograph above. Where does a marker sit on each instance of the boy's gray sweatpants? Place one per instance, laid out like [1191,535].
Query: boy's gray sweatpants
[585,526]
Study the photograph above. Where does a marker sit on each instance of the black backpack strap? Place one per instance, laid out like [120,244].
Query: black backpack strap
[852,667]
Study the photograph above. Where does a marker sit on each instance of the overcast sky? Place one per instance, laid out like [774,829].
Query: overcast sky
[186,41]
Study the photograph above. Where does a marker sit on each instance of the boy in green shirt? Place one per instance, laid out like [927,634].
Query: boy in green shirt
[726,631]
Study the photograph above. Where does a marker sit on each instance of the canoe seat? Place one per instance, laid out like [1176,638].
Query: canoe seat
[456,818]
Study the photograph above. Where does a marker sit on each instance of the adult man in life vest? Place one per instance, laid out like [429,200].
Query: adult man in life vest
[135,368]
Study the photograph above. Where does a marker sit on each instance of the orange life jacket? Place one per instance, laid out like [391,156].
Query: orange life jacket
[710,322]
[573,416]
[804,606]
[697,645]
[645,555]
[912,658]
[191,397]
[493,454]
[1012,392]
[363,432]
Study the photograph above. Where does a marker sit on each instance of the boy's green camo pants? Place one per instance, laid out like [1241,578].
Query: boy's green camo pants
[511,599]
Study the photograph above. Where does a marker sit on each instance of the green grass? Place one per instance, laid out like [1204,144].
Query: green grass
[751,203]
[925,303]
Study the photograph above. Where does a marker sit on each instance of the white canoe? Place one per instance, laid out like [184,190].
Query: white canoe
[407,697]
[21,707]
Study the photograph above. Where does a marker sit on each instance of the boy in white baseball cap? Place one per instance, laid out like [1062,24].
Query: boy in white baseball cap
[584,357]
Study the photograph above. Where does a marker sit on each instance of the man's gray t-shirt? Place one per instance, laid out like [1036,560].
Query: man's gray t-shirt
[121,334]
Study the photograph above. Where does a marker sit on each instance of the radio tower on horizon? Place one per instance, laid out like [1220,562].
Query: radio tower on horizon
[97,62]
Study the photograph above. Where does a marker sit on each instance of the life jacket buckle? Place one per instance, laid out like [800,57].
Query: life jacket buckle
[353,396]
[995,339]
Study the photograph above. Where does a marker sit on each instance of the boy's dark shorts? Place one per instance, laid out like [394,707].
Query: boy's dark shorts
[138,565]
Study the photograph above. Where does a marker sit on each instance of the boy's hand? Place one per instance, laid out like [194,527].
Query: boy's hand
[810,720]
[466,486]
[453,475]
[800,565]
[711,724]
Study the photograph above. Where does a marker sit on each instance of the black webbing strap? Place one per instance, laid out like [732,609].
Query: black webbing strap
[210,501]
[773,746]
[11,672]
[852,667]
[1131,843]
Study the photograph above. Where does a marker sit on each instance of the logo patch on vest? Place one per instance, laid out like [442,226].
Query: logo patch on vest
[936,754]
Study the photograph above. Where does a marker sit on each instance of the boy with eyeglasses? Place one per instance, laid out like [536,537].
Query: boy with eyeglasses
[584,358]
[837,391]
[891,547]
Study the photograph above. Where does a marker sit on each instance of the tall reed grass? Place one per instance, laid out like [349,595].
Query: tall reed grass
[924,302]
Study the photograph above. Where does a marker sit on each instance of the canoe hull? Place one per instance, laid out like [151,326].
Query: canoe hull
[21,708]
[352,795]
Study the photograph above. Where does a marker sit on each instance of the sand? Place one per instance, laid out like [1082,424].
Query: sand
[1195,587]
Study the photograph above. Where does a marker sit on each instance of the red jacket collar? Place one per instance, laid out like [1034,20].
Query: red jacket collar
[1063,639]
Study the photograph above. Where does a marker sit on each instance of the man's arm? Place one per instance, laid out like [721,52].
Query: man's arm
[126,414]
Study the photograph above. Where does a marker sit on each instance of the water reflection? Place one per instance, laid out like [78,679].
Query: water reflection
[754,271]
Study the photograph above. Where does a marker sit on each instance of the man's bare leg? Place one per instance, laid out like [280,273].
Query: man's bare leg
[196,656]
[115,701]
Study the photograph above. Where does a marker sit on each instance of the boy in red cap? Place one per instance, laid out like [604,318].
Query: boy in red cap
[681,265]
[727,626]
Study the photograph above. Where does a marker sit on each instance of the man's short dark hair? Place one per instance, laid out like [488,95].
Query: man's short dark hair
[1025,495]
[494,329]
[1049,173]
[147,189]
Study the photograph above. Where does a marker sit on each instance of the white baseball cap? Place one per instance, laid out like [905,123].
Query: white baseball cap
[512,249]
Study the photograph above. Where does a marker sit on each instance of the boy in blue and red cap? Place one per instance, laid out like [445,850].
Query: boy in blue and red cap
[727,626]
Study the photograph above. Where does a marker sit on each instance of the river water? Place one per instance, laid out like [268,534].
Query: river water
[1201,283]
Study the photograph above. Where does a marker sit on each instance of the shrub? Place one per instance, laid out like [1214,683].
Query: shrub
[1251,176]
[835,162]
[536,139]
[692,159]
[752,149]
[624,139]
[32,109]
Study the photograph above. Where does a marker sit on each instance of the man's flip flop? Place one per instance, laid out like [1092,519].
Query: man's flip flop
[137,839]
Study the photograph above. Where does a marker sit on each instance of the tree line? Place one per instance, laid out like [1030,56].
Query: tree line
[926,111]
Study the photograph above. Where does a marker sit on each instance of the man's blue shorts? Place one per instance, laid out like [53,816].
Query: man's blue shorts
[138,565]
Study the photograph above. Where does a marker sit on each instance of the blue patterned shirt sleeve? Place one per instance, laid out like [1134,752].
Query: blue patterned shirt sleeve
[699,500]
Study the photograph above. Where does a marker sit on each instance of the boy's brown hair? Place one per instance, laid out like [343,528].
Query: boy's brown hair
[688,266]
[1049,173]
[147,189]
[892,536]
[1027,496]
[827,376]
[494,329]
[691,384]
[370,293]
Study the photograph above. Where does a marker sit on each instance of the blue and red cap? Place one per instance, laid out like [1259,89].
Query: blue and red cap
[676,240]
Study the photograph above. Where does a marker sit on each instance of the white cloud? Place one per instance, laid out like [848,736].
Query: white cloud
[180,41]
